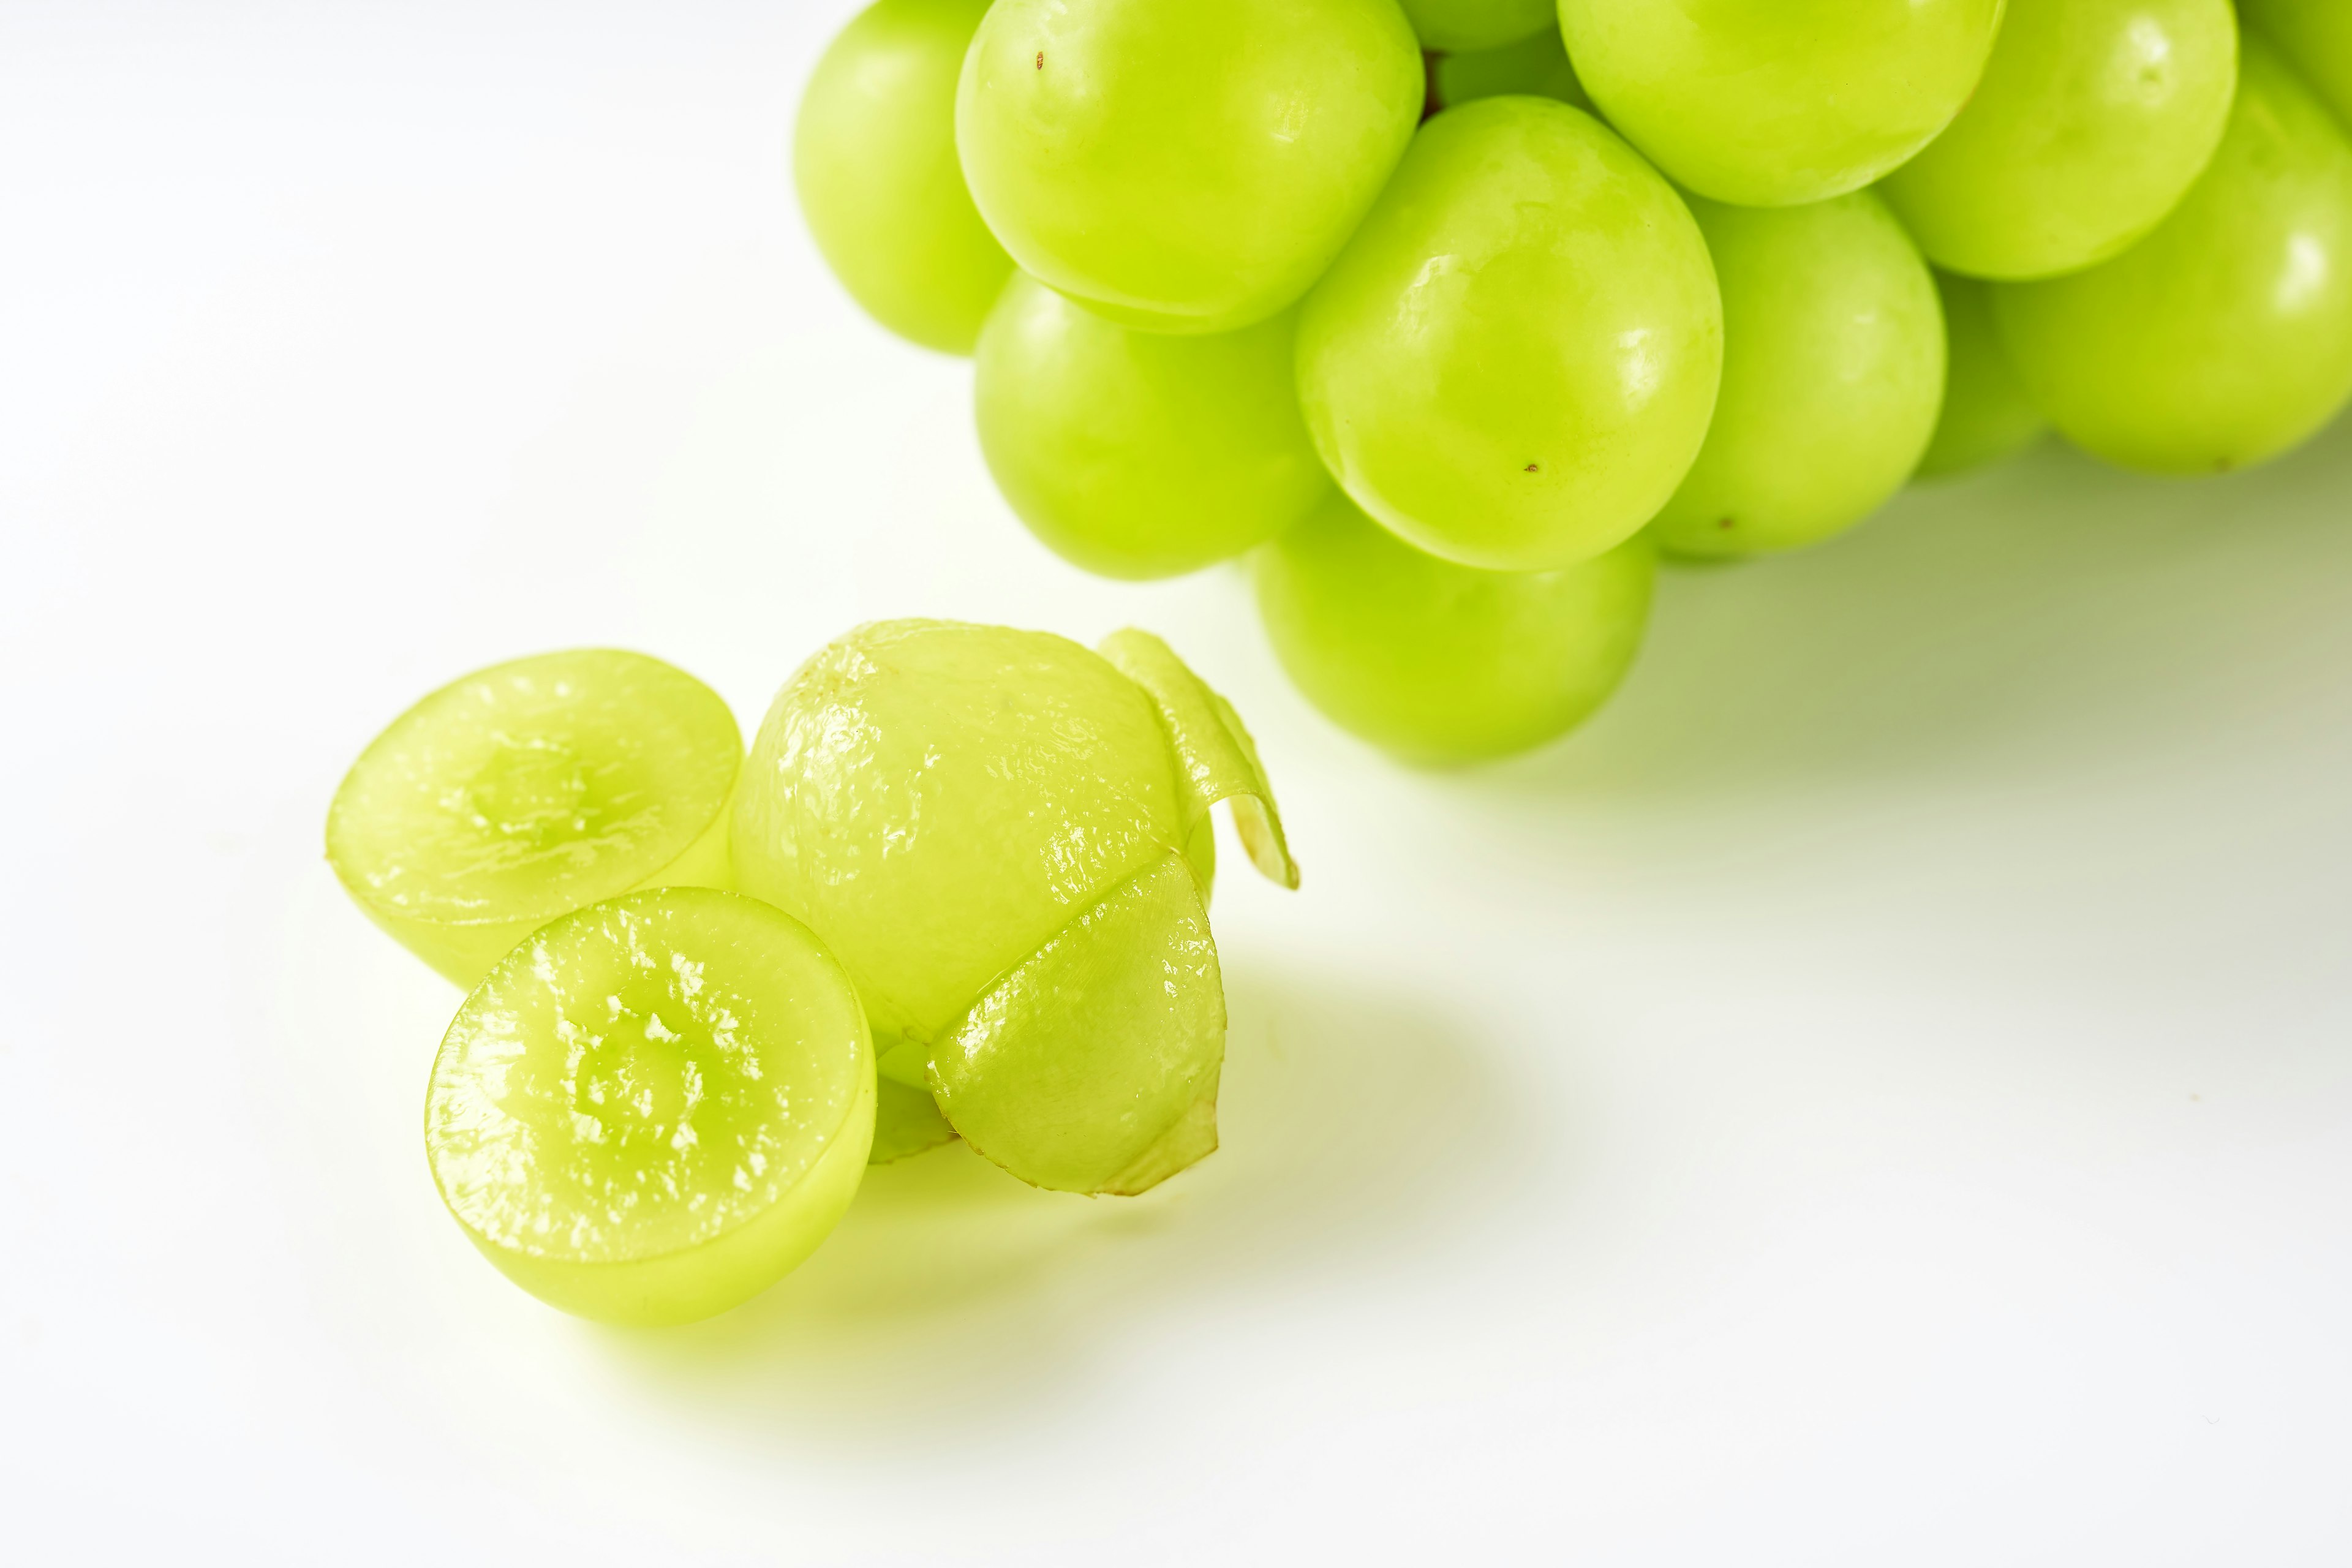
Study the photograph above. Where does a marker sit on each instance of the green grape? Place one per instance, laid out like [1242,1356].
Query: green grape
[655,1107]
[1137,453]
[1537,66]
[2225,337]
[907,1121]
[2316,36]
[950,806]
[1987,416]
[1513,362]
[1833,371]
[1454,24]
[2093,120]
[874,157]
[1438,663]
[1185,166]
[528,790]
[1774,102]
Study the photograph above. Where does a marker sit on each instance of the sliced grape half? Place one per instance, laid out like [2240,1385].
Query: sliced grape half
[528,790]
[655,1107]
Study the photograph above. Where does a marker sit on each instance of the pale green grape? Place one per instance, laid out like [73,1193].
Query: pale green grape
[529,789]
[1440,663]
[2316,36]
[1833,371]
[1538,65]
[2225,337]
[907,1122]
[948,806]
[2093,119]
[655,1107]
[874,157]
[1138,454]
[1987,416]
[1513,362]
[1451,24]
[1185,165]
[1772,102]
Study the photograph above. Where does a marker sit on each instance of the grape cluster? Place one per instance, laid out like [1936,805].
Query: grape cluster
[1457,314]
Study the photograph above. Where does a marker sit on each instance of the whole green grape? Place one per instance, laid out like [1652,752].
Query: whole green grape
[1185,166]
[2093,120]
[2316,37]
[1000,835]
[1987,416]
[1451,24]
[1833,371]
[1513,362]
[529,789]
[1438,663]
[655,1107]
[874,157]
[1773,102]
[2225,336]
[1139,454]
[1537,66]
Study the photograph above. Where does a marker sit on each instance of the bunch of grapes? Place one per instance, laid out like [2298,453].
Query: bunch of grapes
[1457,314]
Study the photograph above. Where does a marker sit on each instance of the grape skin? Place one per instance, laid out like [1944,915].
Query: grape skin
[1539,66]
[1987,416]
[2093,120]
[874,160]
[1453,24]
[1185,166]
[1140,454]
[1513,364]
[2315,35]
[2225,337]
[1774,102]
[1441,664]
[1832,373]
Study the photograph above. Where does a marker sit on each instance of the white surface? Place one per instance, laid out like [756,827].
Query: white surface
[1884,1095]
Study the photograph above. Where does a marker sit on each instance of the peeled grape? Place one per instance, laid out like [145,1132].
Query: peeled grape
[874,157]
[654,1107]
[2225,337]
[1537,66]
[1833,371]
[950,808]
[1987,416]
[1439,663]
[2316,37]
[528,790]
[1513,362]
[1138,454]
[1772,102]
[2093,120]
[1185,166]
[1451,24]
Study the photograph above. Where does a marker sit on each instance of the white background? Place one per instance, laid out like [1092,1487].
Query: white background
[1881,1095]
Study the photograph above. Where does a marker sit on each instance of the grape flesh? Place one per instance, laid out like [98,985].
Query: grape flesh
[1454,24]
[655,1107]
[1987,416]
[1773,102]
[2315,35]
[1513,362]
[528,790]
[943,803]
[1832,373]
[1138,454]
[1437,663]
[2225,337]
[1537,66]
[2093,120]
[1185,166]
[874,158]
